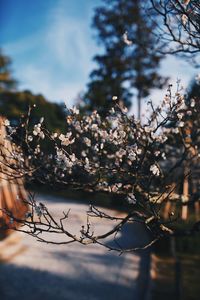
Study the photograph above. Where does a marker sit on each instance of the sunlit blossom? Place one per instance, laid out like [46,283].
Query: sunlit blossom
[155,170]
[131,198]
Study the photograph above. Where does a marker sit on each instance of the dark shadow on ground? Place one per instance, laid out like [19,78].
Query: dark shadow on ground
[117,269]
[86,282]
[132,236]
[24,283]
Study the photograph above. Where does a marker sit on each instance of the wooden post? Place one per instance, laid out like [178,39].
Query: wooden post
[184,213]
[196,201]
[197,210]
[12,192]
[167,209]
[185,194]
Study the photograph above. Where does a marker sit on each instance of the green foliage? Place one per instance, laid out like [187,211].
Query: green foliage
[6,80]
[14,105]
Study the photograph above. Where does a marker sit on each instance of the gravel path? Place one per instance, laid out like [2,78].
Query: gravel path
[76,272]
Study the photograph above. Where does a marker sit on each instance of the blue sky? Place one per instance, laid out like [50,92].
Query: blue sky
[51,43]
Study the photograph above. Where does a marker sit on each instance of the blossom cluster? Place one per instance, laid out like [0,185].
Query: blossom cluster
[115,154]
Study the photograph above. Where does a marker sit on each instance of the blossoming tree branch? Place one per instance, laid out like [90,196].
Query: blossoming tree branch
[117,154]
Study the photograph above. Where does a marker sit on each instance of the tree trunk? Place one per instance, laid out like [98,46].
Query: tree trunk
[139,99]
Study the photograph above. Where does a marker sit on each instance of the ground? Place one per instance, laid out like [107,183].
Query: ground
[69,272]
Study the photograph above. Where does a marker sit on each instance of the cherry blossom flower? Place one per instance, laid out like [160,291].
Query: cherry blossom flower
[6,122]
[184,19]
[155,170]
[30,138]
[126,40]
[131,198]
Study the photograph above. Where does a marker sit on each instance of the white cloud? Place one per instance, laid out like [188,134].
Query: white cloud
[69,41]
[41,82]
[56,61]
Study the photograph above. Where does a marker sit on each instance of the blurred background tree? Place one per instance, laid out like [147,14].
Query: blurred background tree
[7,82]
[129,64]
[14,104]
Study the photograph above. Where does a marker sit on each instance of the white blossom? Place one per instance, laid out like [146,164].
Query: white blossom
[55,135]
[75,110]
[94,127]
[166,99]
[139,151]
[37,149]
[114,188]
[87,164]
[41,135]
[65,139]
[87,141]
[157,153]
[181,124]
[122,134]
[126,40]
[114,98]
[132,155]
[184,19]
[30,138]
[6,122]
[103,134]
[160,138]
[147,129]
[101,146]
[175,130]
[41,120]
[37,129]
[192,103]
[155,170]
[78,127]
[96,148]
[131,198]
[121,153]
[83,153]
[180,116]
[72,157]
[68,163]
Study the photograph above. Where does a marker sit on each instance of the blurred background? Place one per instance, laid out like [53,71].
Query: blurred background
[58,53]
[52,45]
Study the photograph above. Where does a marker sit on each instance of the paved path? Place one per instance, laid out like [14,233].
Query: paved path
[75,272]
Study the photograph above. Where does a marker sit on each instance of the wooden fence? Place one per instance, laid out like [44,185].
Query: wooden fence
[12,191]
